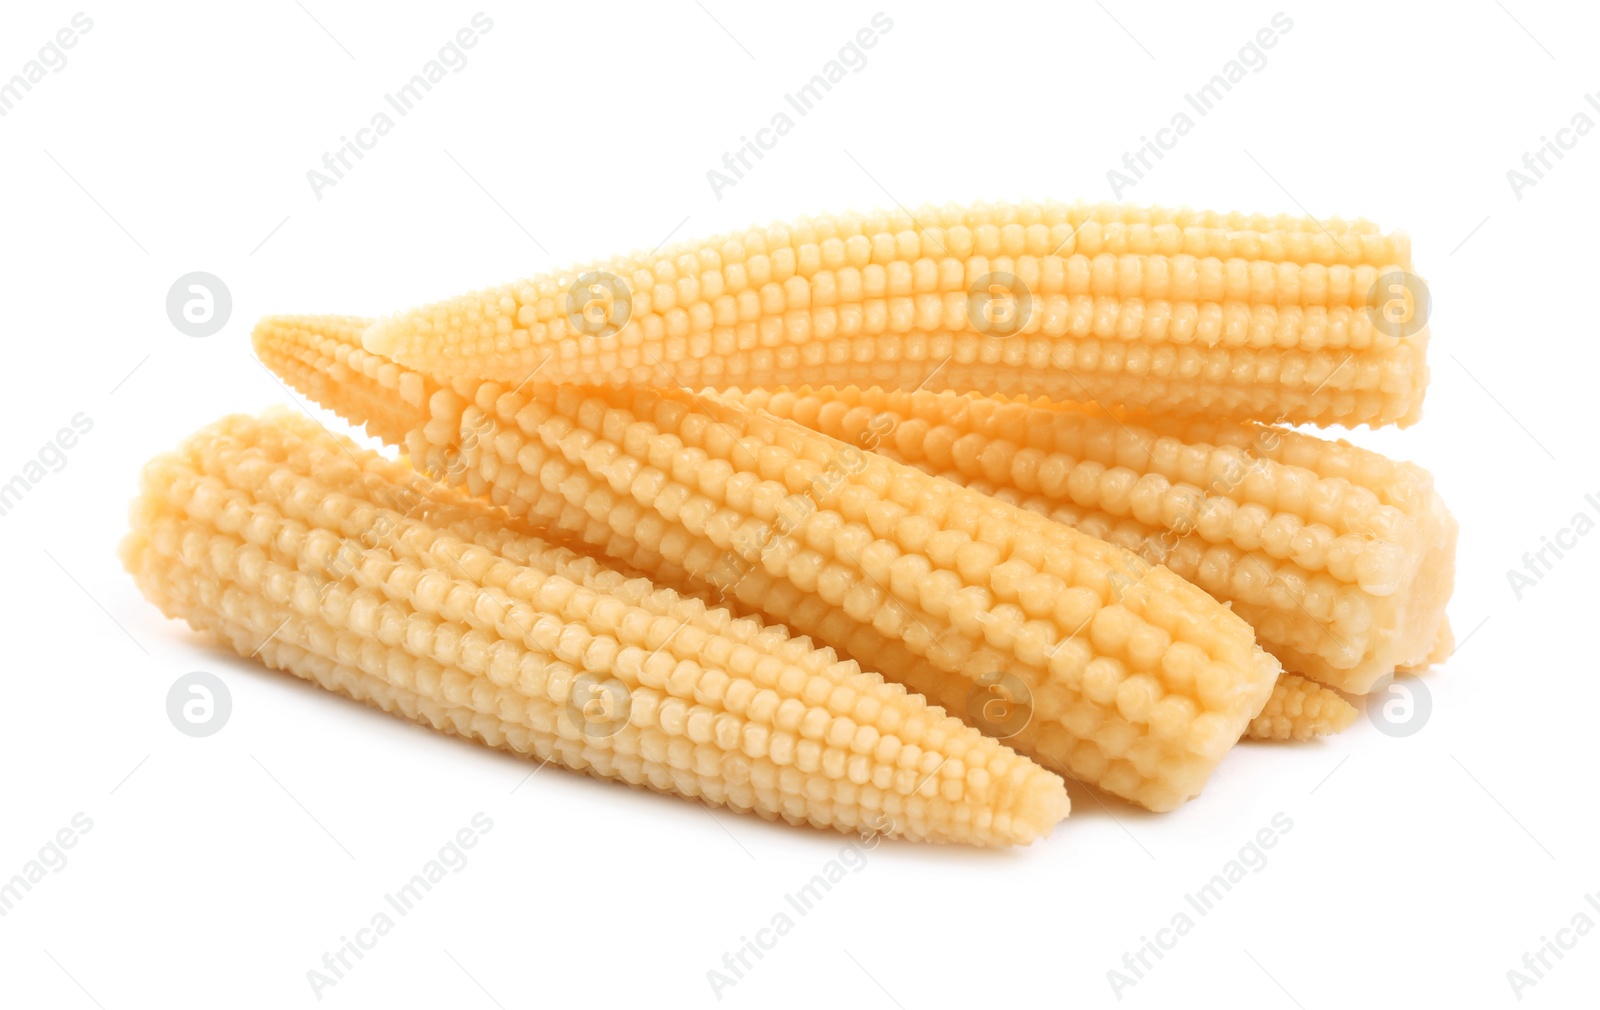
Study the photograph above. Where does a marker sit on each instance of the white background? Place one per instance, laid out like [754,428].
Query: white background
[219,870]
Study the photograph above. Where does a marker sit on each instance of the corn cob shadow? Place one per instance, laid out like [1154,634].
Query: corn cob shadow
[1138,688]
[1180,312]
[345,569]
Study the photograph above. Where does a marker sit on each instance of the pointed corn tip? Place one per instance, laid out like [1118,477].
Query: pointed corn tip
[1300,710]
[304,479]
[261,336]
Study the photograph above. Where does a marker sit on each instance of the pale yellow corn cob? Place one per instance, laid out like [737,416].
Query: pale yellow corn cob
[1274,319]
[1134,679]
[370,388]
[1341,559]
[327,350]
[1299,710]
[348,570]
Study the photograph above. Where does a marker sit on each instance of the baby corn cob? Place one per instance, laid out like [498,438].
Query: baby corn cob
[1132,678]
[1300,710]
[326,352]
[1341,559]
[348,570]
[1251,318]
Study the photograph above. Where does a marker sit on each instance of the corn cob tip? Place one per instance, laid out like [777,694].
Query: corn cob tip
[345,568]
[1299,709]
[317,355]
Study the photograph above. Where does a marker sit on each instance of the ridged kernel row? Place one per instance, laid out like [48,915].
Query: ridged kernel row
[1269,325]
[1301,710]
[333,563]
[1137,681]
[1343,561]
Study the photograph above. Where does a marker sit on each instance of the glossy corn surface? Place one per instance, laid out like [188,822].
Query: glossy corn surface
[1120,673]
[1341,559]
[349,570]
[1194,314]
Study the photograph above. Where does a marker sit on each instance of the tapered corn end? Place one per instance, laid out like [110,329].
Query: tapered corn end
[323,358]
[346,569]
[1300,709]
